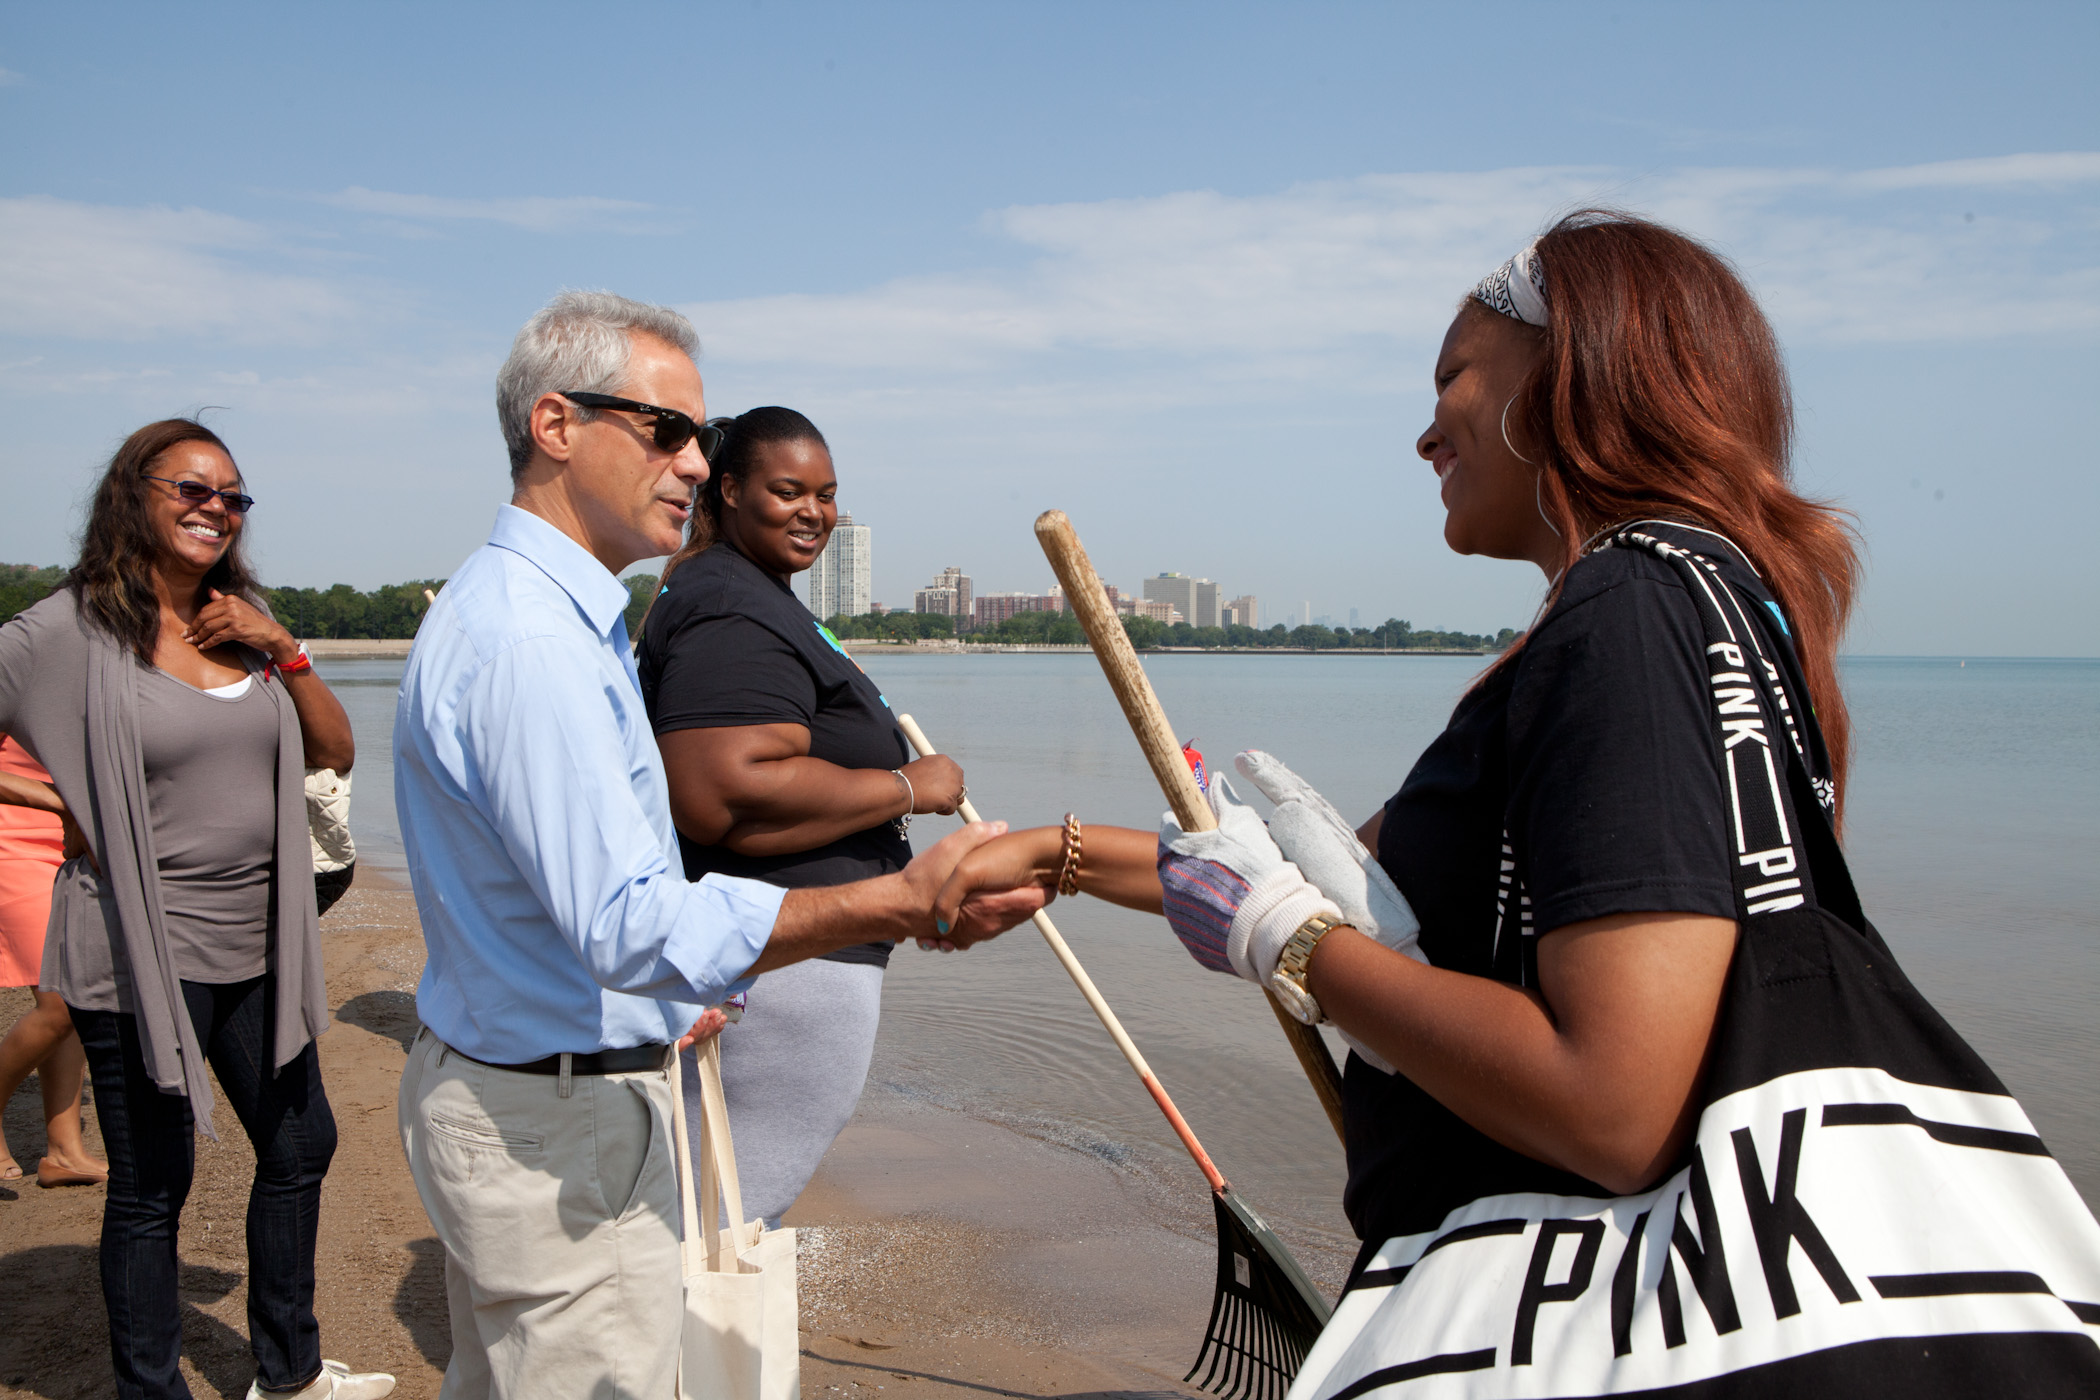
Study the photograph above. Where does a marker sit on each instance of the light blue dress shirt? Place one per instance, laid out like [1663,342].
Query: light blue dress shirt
[537,819]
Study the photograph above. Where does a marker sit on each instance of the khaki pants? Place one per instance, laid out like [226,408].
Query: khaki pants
[559,1218]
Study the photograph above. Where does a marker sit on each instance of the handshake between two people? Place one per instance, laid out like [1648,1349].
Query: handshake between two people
[1233,895]
[814,921]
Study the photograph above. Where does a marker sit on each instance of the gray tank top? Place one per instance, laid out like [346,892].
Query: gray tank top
[211,787]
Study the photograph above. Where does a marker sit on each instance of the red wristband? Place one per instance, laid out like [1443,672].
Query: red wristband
[301,662]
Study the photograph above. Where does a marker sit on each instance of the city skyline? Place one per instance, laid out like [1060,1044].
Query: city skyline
[1163,596]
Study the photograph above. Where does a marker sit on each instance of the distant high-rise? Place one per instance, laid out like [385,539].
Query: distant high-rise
[948,594]
[1245,612]
[991,609]
[839,582]
[1194,598]
[1305,614]
[1352,617]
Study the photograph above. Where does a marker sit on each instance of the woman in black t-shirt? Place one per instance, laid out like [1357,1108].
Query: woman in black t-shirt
[785,765]
[1563,843]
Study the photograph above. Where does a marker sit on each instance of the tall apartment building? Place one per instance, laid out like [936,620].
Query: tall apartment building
[1243,611]
[991,609]
[839,582]
[1194,598]
[948,595]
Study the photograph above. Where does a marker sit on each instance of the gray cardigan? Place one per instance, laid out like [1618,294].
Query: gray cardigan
[69,695]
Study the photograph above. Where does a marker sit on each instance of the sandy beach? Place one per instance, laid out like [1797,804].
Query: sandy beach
[940,1255]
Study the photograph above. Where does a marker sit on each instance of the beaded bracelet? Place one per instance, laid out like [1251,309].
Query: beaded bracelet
[1068,876]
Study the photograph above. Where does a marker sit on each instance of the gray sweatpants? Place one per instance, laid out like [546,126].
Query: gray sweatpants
[793,1070]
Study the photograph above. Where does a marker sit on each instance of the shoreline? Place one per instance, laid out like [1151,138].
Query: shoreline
[396,649]
[941,1255]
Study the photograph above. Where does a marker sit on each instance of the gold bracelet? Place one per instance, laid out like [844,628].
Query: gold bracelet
[1068,876]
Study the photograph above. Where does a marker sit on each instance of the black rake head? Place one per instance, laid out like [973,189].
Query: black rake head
[1265,1316]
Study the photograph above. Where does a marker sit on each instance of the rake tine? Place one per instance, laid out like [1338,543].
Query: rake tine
[1272,1336]
[1273,1344]
[1244,1371]
[1234,1381]
[1210,1333]
[1226,1360]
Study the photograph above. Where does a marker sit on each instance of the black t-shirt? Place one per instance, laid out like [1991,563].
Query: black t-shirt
[729,644]
[1582,779]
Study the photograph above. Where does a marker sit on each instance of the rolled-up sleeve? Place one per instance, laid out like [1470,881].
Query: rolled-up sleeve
[547,750]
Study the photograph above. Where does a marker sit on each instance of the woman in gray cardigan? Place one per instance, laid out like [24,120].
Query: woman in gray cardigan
[177,720]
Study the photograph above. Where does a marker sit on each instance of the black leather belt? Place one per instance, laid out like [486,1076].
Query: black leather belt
[632,1060]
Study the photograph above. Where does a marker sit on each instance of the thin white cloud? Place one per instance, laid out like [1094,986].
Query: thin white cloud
[534,213]
[106,272]
[10,78]
[2042,168]
[1304,282]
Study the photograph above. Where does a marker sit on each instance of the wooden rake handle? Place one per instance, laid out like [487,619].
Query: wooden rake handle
[1092,994]
[1148,721]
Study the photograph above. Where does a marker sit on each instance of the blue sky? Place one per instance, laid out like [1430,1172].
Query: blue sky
[1177,269]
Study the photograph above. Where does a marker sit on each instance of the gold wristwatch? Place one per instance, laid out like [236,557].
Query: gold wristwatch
[1289,982]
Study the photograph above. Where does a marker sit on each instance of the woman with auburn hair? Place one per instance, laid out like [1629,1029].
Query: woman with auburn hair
[1533,952]
[1654,395]
[177,719]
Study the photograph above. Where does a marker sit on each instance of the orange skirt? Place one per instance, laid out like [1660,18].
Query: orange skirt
[30,846]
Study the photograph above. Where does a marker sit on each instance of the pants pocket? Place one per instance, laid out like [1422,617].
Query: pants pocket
[485,1135]
[633,1141]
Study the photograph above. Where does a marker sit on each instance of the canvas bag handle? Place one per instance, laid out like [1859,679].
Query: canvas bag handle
[718,1177]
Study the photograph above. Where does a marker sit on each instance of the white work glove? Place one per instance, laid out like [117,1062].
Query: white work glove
[1232,898]
[1316,838]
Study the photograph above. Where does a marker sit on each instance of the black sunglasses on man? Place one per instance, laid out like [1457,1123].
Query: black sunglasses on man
[673,430]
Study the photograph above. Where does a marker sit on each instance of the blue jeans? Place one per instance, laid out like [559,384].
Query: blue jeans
[148,1136]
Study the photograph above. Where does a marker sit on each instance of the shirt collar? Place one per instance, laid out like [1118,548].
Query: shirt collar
[601,597]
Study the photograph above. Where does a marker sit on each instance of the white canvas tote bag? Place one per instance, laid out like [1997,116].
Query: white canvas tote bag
[741,1339]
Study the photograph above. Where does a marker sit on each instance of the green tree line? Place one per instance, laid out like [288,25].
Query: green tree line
[25,585]
[393,610]
[891,627]
[1040,628]
[396,610]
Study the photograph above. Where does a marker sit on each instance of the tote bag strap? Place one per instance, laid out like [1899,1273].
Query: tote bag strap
[721,1153]
[682,1146]
[717,1177]
[1784,856]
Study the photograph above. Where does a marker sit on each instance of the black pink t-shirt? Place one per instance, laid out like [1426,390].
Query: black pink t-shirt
[729,644]
[1583,779]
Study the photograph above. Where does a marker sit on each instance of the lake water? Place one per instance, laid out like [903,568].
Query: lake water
[1974,832]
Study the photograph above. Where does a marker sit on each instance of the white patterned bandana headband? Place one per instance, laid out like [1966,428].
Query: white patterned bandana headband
[1517,289]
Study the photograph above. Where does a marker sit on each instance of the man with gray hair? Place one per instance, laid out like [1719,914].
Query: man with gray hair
[567,954]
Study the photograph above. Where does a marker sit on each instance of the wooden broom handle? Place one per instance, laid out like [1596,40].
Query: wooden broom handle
[1148,721]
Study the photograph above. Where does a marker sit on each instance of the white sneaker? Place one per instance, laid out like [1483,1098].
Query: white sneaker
[336,1382]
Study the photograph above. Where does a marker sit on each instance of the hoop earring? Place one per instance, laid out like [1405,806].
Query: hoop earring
[1538,499]
[1505,435]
